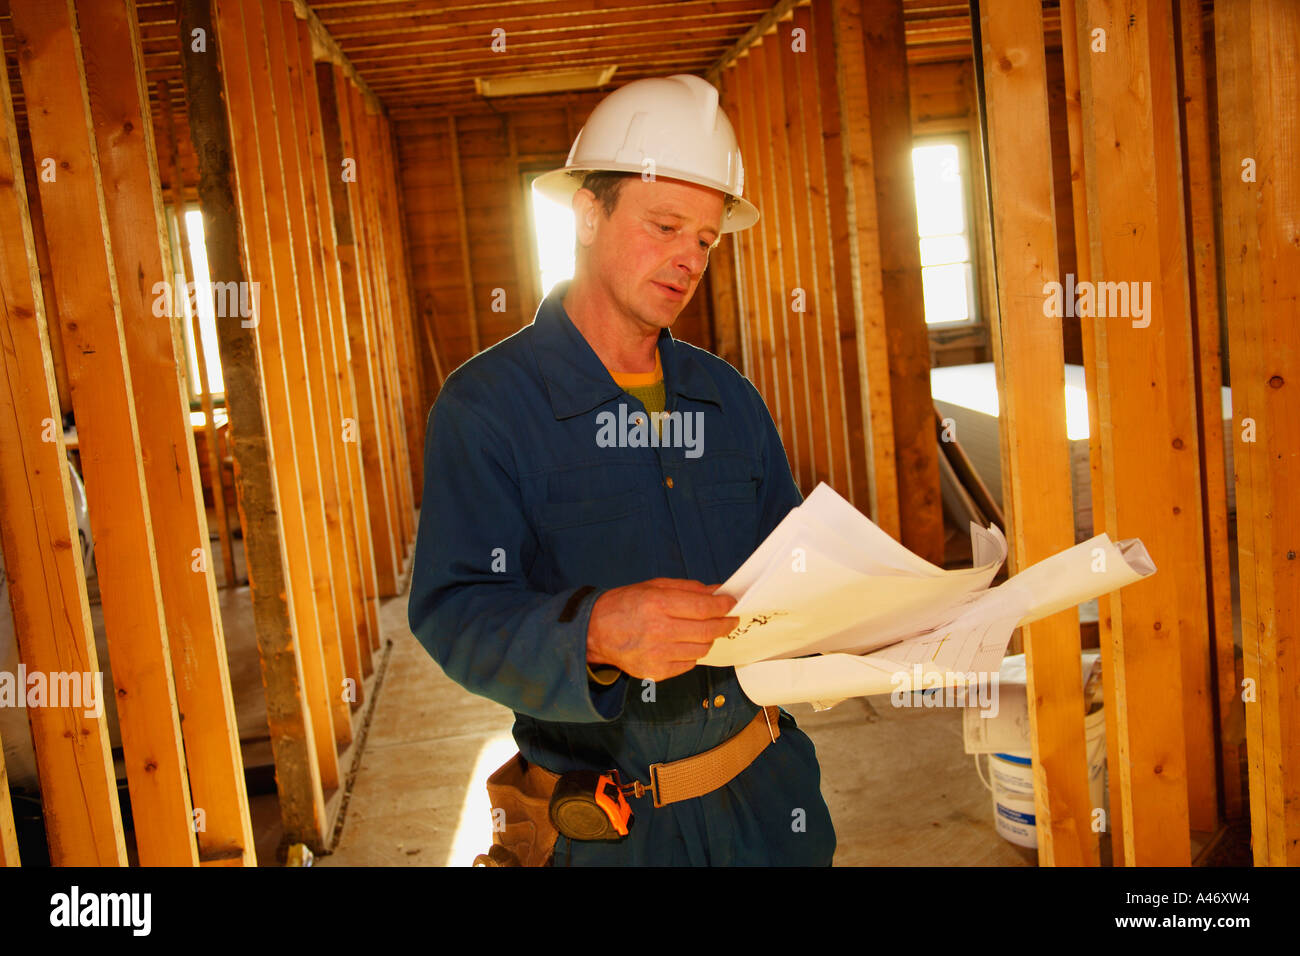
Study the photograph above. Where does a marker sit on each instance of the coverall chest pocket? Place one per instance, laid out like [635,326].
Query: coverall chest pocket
[595,541]
[730,512]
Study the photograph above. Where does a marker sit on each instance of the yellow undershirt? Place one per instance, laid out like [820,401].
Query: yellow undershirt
[649,388]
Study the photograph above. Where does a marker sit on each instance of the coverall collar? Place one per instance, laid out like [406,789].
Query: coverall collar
[577,381]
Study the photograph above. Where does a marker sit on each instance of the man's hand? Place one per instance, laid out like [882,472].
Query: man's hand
[658,628]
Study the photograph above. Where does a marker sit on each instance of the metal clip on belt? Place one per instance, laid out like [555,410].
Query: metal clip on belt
[695,776]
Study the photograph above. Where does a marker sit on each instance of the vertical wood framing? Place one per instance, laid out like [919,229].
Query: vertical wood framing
[313,580]
[47,584]
[1146,415]
[235,234]
[865,261]
[860,488]
[91,320]
[824,330]
[172,152]
[1031,389]
[119,107]
[1199,198]
[1083,273]
[780,217]
[359,308]
[370,183]
[317,353]
[352,482]
[758,354]
[916,455]
[1259,128]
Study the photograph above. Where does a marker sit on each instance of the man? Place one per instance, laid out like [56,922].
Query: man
[585,477]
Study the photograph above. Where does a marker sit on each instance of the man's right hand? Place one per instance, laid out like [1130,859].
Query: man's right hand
[659,628]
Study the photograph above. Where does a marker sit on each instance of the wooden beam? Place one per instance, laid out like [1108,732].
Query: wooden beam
[824,329]
[317,355]
[1198,196]
[467,269]
[916,456]
[866,263]
[1027,347]
[236,241]
[1113,825]
[47,583]
[119,107]
[91,318]
[358,307]
[365,129]
[215,469]
[361,569]
[780,10]
[790,354]
[1146,415]
[1259,120]
[285,340]
[758,353]
[860,487]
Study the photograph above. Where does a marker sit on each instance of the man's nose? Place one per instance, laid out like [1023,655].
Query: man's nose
[691,259]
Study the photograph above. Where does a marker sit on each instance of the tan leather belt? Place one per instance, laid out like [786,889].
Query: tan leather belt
[695,776]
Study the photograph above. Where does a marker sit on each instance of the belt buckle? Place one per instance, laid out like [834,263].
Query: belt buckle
[654,784]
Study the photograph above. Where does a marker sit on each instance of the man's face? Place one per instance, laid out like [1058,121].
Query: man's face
[650,254]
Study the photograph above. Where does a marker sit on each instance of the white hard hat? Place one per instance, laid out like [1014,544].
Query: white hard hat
[671,127]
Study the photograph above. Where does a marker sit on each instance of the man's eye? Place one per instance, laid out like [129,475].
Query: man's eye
[666,229]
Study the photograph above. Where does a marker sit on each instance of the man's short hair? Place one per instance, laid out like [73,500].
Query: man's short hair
[607,185]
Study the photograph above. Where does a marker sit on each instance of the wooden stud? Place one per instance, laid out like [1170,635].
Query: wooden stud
[1146,416]
[236,240]
[317,355]
[119,108]
[316,579]
[825,328]
[890,119]
[205,393]
[1031,393]
[1198,193]
[793,281]
[358,306]
[810,389]
[1259,116]
[860,483]
[865,262]
[1083,273]
[47,583]
[91,319]
[356,515]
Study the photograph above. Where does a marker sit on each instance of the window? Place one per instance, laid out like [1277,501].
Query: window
[207,320]
[943,223]
[553,236]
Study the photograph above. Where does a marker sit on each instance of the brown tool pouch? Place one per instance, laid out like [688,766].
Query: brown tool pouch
[522,832]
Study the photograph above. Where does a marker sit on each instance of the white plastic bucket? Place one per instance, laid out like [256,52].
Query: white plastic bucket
[1013,784]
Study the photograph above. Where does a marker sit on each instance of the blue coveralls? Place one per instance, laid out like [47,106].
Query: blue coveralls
[522,508]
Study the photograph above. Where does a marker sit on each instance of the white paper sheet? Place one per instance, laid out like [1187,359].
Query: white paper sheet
[831,607]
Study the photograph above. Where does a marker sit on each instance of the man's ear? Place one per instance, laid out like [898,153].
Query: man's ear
[585,216]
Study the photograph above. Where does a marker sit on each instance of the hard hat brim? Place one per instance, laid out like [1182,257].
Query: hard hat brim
[560,185]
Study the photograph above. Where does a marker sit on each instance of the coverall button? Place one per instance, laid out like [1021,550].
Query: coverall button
[706,703]
[638,420]
[719,701]
[668,481]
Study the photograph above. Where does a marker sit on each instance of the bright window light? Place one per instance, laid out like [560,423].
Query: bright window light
[947,273]
[554,235]
[207,321]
